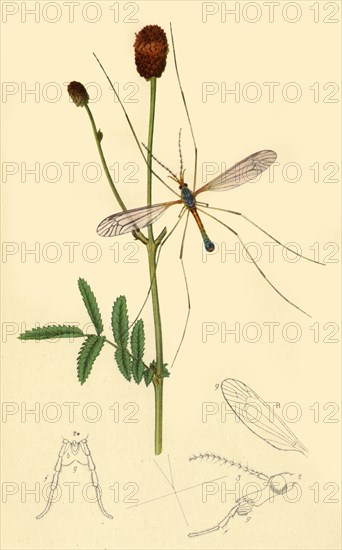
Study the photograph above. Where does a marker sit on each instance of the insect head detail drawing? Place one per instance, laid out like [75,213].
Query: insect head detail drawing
[274,486]
[69,453]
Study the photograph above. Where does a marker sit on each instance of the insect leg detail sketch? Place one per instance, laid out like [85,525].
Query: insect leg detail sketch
[274,486]
[70,452]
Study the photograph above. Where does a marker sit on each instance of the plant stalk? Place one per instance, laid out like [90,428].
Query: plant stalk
[152,246]
[151,251]
[103,160]
[137,234]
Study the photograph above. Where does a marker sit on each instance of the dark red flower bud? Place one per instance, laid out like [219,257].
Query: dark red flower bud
[151,50]
[78,93]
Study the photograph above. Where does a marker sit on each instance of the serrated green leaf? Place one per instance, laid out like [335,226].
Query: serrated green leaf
[166,372]
[138,340]
[52,331]
[91,305]
[90,349]
[138,368]
[120,322]
[138,347]
[148,375]
[123,361]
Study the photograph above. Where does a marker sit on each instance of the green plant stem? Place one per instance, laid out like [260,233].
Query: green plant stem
[153,92]
[151,251]
[103,160]
[98,138]
[158,376]
[152,246]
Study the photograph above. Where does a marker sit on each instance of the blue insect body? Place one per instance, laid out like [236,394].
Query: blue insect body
[190,201]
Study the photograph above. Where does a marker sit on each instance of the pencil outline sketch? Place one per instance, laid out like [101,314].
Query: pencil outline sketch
[275,485]
[269,427]
[70,449]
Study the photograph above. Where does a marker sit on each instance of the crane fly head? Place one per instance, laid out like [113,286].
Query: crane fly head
[179,180]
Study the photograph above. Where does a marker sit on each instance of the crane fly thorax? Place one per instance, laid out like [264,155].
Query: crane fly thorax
[187,196]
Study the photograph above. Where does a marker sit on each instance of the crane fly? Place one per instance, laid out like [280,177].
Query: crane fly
[246,170]
[138,218]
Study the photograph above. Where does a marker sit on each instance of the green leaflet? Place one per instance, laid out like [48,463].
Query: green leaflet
[138,347]
[148,375]
[120,322]
[52,331]
[166,372]
[138,368]
[91,304]
[123,361]
[90,349]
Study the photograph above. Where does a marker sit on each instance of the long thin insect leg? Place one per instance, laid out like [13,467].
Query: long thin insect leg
[155,271]
[254,262]
[187,292]
[185,105]
[54,483]
[131,125]
[154,275]
[94,478]
[221,525]
[184,233]
[204,532]
[182,212]
[157,260]
[263,231]
[187,315]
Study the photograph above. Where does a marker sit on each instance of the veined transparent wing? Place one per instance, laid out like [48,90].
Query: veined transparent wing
[132,220]
[242,172]
[259,417]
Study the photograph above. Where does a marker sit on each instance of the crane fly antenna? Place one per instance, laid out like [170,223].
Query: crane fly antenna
[265,232]
[180,151]
[130,124]
[162,165]
[254,262]
[185,105]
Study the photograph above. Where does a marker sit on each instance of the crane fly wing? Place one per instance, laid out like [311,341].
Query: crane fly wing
[130,220]
[259,417]
[242,172]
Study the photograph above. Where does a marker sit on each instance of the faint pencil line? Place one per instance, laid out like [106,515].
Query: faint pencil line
[180,491]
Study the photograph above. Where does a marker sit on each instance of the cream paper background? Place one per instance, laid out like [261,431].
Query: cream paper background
[224,291]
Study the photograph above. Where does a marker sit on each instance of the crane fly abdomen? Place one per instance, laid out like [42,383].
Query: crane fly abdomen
[189,200]
[208,244]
